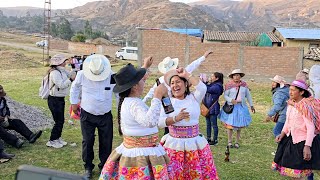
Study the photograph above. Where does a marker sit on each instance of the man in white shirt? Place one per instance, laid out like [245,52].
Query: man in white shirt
[95,84]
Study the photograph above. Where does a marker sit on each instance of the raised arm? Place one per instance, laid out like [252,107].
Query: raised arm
[56,78]
[143,115]
[196,63]
[150,93]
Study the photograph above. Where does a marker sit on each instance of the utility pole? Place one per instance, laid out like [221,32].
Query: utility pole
[46,29]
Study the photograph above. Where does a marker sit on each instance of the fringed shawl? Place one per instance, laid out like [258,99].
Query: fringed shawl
[310,108]
[231,84]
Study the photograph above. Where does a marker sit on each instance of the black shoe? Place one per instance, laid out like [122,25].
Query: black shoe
[209,140]
[88,173]
[4,155]
[35,136]
[214,142]
[19,143]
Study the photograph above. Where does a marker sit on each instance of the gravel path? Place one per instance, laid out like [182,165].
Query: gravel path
[33,117]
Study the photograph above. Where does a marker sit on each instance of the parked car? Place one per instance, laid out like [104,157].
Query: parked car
[130,53]
[43,43]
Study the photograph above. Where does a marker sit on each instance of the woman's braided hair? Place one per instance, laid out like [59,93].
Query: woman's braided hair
[122,96]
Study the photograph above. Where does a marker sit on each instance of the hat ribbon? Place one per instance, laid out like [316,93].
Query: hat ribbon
[97,72]
[300,84]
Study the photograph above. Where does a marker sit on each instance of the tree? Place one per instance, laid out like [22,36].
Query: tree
[28,14]
[65,31]
[35,23]
[79,38]
[54,29]
[88,29]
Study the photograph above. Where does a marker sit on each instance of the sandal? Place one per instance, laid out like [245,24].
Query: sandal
[230,145]
[236,145]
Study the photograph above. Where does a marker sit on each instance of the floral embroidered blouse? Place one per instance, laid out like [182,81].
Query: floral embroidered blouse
[137,119]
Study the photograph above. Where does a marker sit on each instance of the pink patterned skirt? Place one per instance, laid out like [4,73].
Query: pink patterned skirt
[190,154]
[137,158]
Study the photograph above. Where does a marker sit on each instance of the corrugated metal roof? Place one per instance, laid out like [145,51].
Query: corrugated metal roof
[273,37]
[296,33]
[236,36]
[191,32]
[313,54]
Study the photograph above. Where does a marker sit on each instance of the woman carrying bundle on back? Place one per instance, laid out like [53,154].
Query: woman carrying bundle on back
[298,152]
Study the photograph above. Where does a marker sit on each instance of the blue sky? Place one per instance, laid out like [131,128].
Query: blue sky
[56,4]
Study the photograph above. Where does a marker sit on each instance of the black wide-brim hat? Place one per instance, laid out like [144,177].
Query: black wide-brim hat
[127,77]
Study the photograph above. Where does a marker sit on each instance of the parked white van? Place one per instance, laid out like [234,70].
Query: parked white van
[43,43]
[130,53]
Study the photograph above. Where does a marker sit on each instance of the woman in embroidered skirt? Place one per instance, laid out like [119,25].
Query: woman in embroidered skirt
[298,152]
[139,156]
[189,152]
[236,93]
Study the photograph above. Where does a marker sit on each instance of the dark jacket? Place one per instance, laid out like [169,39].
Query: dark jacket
[279,99]
[214,91]
[4,109]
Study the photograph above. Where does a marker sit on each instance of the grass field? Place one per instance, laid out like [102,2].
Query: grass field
[251,161]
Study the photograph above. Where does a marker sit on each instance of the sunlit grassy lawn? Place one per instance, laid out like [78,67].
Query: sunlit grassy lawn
[251,161]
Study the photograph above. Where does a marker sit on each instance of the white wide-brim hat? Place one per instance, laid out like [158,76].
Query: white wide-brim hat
[236,71]
[168,64]
[96,67]
[279,79]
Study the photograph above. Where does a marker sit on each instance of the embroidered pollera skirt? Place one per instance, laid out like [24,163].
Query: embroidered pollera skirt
[190,154]
[137,158]
[239,118]
[288,160]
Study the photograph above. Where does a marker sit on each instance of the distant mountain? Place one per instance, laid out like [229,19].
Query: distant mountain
[121,17]
[262,15]
[22,11]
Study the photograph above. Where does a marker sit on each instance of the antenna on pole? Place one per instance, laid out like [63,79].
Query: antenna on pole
[46,30]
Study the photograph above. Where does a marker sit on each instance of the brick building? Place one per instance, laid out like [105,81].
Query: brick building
[259,63]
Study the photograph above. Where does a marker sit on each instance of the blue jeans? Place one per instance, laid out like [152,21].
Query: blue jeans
[310,177]
[212,123]
[278,128]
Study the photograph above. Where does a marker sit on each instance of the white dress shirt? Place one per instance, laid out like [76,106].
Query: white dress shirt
[96,96]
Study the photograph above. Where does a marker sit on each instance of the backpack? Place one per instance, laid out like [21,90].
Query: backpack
[44,89]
